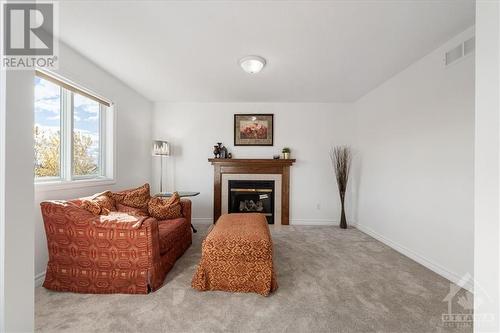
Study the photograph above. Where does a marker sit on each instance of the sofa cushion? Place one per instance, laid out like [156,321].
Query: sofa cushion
[136,198]
[131,210]
[170,232]
[165,209]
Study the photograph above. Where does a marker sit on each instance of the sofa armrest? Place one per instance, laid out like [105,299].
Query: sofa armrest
[186,209]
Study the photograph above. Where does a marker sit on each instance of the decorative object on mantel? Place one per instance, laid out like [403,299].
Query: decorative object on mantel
[220,151]
[276,157]
[161,148]
[341,157]
[253,129]
[223,152]
[216,151]
[285,153]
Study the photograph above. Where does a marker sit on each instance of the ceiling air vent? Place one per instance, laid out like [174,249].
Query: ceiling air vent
[460,51]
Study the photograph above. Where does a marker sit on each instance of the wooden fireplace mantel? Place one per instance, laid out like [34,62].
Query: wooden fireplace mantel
[253,166]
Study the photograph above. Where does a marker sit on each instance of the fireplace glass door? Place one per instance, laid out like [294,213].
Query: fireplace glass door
[252,196]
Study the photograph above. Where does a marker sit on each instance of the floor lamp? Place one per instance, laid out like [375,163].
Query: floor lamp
[161,148]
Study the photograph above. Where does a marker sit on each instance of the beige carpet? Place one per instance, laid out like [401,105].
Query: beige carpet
[330,280]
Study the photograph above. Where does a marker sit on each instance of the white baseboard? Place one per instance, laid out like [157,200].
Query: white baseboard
[313,222]
[202,220]
[39,279]
[437,268]
[319,222]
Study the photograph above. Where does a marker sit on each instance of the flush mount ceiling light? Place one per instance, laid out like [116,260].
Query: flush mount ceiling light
[252,64]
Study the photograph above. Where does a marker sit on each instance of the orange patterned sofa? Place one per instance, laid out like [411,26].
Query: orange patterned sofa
[122,252]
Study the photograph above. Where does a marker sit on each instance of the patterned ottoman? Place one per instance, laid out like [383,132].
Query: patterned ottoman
[237,255]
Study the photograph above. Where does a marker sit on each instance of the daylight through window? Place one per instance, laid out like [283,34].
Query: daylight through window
[71,130]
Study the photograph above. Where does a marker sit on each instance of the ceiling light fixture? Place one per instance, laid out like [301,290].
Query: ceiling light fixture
[252,64]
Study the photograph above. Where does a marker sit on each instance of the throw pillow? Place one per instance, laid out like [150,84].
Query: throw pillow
[136,198]
[105,200]
[94,207]
[162,209]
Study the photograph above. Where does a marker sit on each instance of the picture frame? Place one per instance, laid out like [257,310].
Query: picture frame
[254,129]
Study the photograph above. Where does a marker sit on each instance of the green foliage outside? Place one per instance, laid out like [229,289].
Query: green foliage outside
[47,154]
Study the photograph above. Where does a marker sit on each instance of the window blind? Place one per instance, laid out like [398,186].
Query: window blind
[71,87]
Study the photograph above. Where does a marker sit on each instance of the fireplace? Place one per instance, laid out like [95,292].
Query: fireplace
[277,171]
[252,196]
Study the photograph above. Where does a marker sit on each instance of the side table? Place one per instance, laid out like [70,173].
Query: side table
[181,194]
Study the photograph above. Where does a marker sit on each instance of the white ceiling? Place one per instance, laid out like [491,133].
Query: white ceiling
[317,51]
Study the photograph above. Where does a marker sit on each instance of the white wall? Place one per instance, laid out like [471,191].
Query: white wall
[416,137]
[487,167]
[309,130]
[133,138]
[2,198]
[19,216]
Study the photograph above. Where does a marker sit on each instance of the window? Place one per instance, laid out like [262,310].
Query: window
[47,129]
[72,131]
[86,137]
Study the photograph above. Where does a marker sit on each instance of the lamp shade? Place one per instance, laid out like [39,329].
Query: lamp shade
[161,148]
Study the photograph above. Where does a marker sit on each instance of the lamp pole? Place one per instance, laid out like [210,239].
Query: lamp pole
[161,173]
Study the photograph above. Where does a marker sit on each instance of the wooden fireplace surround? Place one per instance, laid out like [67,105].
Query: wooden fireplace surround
[253,166]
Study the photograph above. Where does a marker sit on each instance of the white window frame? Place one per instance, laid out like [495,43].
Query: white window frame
[107,149]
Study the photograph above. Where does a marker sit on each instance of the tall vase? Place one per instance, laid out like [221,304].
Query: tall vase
[343,220]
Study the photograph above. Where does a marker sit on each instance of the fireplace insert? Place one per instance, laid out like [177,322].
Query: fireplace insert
[252,196]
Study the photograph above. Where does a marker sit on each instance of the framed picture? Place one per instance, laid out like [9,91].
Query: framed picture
[253,129]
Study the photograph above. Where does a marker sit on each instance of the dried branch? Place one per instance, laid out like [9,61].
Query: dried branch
[341,157]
